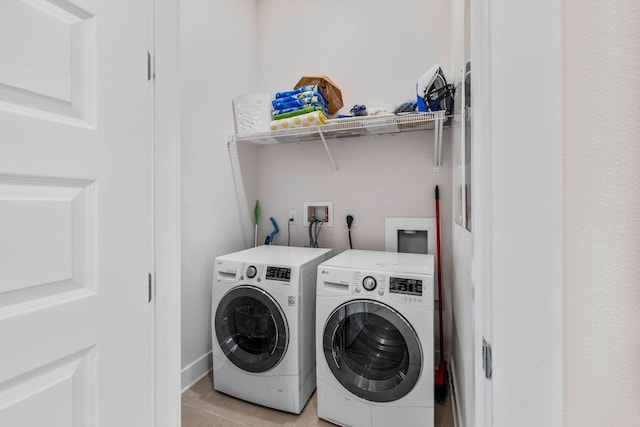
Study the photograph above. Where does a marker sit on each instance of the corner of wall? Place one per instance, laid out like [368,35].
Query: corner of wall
[196,370]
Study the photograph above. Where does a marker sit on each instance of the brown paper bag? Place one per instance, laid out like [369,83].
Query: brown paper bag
[329,89]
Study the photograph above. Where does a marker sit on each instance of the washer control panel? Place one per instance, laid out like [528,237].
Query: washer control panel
[227,271]
[260,272]
[251,271]
[280,274]
[369,283]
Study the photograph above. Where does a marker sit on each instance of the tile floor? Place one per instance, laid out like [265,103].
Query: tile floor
[202,406]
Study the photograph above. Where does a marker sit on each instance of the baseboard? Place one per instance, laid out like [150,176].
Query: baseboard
[196,370]
[457,416]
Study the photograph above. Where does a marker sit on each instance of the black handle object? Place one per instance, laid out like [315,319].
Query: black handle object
[441,377]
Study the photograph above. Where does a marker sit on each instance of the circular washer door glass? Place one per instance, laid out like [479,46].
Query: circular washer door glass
[251,329]
[372,350]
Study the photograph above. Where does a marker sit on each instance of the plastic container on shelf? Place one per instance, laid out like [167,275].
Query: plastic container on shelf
[252,113]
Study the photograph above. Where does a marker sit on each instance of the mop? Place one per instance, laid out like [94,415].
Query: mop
[442,379]
[256,212]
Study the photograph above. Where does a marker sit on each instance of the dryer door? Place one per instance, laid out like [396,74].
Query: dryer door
[251,329]
[372,350]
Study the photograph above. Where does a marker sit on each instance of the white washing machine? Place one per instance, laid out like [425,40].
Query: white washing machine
[374,339]
[263,307]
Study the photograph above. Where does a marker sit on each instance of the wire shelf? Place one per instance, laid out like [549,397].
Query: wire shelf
[354,127]
[348,127]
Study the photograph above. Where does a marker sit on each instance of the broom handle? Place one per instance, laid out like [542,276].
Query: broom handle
[439,274]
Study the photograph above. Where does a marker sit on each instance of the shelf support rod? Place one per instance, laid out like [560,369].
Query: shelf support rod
[437,143]
[238,185]
[326,147]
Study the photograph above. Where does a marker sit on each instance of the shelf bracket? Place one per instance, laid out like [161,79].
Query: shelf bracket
[437,143]
[326,147]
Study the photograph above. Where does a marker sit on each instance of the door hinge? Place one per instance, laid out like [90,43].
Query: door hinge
[487,359]
[149,66]
[150,287]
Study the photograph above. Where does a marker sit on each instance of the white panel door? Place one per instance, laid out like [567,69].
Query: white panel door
[75,211]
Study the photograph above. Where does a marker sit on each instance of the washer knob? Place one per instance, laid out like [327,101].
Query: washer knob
[251,272]
[369,283]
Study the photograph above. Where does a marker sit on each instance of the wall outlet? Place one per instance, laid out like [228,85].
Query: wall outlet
[322,211]
[293,214]
[355,218]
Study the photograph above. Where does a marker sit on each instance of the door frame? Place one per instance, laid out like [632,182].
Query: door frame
[166,198]
[517,208]
[481,271]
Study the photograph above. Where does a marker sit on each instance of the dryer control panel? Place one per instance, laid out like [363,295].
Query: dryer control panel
[410,289]
[406,288]
[369,283]
[403,285]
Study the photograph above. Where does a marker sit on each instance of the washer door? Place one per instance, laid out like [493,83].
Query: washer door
[372,350]
[251,329]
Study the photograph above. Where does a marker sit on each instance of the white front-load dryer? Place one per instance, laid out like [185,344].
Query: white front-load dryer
[374,339]
[263,307]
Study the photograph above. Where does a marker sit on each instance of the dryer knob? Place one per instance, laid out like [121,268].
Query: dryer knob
[251,272]
[369,283]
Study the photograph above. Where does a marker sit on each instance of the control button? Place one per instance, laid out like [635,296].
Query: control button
[369,283]
[251,272]
[380,292]
[358,290]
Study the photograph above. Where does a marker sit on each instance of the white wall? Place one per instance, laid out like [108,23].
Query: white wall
[602,209]
[375,52]
[525,212]
[218,62]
